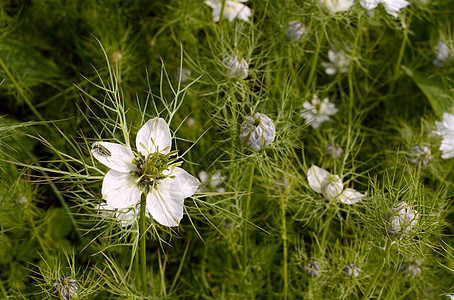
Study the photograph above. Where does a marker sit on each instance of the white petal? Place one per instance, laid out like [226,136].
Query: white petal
[330,71]
[154,136]
[120,190]
[184,183]
[369,4]
[447,146]
[395,5]
[350,196]
[315,177]
[165,204]
[115,156]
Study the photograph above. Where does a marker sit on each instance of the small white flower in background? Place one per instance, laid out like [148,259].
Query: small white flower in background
[334,6]
[392,7]
[443,54]
[232,9]
[420,155]
[125,216]
[312,268]
[181,74]
[401,219]
[257,131]
[214,180]
[334,150]
[152,170]
[65,287]
[117,57]
[352,270]
[236,67]
[451,296]
[445,129]
[331,186]
[295,30]
[316,112]
[410,268]
[338,62]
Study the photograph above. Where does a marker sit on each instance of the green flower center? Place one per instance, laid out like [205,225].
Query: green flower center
[151,169]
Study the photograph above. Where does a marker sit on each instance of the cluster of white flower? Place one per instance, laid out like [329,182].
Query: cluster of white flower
[232,9]
[401,219]
[445,129]
[316,112]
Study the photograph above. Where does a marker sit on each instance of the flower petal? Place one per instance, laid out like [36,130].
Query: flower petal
[115,156]
[315,177]
[350,196]
[120,190]
[165,203]
[154,136]
[369,4]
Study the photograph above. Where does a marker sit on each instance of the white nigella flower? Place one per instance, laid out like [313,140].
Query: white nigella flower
[420,155]
[152,170]
[445,129]
[334,6]
[331,186]
[442,53]
[401,219]
[295,30]
[339,62]
[232,9]
[214,180]
[392,7]
[316,112]
[236,67]
[257,131]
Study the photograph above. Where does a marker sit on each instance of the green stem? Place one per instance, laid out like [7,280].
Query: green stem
[350,72]
[284,245]
[19,89]
[143,250]
[246,212]
[378,271]
[325,230]
[314,64]
[2,289]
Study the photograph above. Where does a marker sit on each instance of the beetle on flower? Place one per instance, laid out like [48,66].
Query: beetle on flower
[153,170]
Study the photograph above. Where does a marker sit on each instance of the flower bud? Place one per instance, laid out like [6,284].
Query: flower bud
[236,67]
[312,268]
[411,268]
[420,155]
[401,218]
[332,186]
[334,150]
[352,270]
[65,287]
[295,31]
[181,74]
[257,131]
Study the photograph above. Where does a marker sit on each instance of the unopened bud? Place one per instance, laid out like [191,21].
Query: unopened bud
[333,150]
[312,268]
[352,270]
[401,219]
[295,30]
[420,155]
[410,268]
[257,131]
[65,287]
[181,74]
[236,67]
